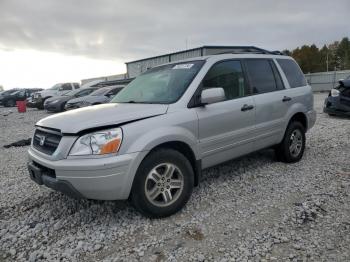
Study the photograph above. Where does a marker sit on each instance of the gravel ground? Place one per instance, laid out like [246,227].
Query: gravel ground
[250,209]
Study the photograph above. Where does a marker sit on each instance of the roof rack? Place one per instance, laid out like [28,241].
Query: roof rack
[250,50]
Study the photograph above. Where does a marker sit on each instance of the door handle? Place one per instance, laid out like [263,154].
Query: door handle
[286,99]
[247,107]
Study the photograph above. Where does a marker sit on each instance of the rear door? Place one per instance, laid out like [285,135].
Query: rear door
[270,100]
[226,128]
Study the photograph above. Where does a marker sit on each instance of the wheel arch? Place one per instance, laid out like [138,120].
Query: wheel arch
[187,151]
[299,117]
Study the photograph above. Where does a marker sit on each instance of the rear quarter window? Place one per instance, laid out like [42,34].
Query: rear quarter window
[293,72]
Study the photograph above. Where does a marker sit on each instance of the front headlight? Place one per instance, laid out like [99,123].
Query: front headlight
[98,143]
[334,92]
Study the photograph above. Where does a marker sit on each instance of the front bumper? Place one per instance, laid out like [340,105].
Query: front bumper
[39,176]
[53,107]
[106,178]
[333,106]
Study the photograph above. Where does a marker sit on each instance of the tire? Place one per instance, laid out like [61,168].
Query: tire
[151,198]
[284,151]
[62,107]
[40,105]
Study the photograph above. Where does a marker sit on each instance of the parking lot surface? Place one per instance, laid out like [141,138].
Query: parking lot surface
[253,208]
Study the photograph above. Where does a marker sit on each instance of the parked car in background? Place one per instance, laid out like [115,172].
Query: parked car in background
[100,96]
[338,100]
[57,90]
[5,93]
[9,99]
[57,103]
[151,142]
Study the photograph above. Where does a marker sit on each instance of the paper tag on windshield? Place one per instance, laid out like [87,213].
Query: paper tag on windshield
[183,66]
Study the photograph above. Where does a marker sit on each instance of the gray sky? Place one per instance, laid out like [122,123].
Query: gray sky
[111,29]
[46,41]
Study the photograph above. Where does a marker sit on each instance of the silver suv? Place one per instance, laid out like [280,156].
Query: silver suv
[152,141]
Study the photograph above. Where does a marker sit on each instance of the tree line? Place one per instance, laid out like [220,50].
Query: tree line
[335,56]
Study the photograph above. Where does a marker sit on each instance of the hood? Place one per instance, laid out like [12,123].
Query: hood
[78,120]
[345,83]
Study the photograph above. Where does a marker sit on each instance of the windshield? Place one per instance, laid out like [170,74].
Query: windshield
[55,87]
[160,85]
[100,91]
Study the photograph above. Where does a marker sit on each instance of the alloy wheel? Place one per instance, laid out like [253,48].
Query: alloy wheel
[164,184]
[295,143]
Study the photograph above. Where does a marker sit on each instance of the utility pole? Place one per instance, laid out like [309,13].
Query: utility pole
[327,61]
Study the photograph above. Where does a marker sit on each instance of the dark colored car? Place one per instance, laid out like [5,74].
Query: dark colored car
[57,103]
[9,99]
[6,93]
[100,96]
[338,100]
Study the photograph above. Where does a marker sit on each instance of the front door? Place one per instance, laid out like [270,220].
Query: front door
[226,128]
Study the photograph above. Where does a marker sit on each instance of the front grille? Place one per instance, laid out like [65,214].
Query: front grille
[46,141]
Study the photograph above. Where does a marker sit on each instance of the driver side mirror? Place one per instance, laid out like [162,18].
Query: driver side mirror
[212,95]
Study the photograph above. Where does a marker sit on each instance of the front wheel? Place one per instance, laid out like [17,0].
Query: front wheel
[163,183]
[292,147]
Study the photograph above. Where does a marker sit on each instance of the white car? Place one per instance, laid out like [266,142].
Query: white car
[57,90]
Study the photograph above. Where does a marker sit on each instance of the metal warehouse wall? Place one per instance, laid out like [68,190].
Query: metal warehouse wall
[104,78]
[325,81]
[136,68]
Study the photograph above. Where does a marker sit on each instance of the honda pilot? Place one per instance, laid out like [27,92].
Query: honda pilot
[152,141]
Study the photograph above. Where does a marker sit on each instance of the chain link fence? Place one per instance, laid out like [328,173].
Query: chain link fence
[325,81]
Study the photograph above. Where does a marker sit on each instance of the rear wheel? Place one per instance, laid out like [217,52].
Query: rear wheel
[292,147]
[163,183]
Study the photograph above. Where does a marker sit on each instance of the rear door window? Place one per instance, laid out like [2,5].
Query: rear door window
[261,76]
[293,72]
